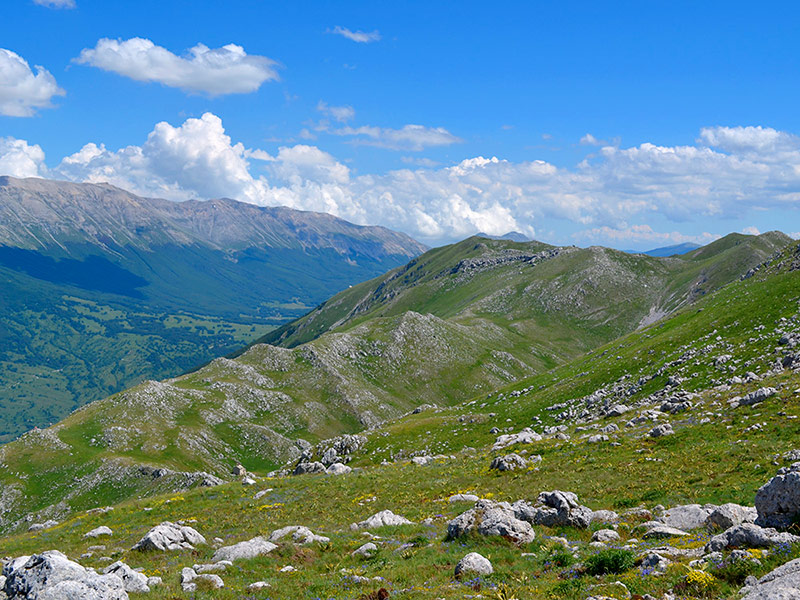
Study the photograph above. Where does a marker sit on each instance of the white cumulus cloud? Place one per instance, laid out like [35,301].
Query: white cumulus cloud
[213,71]
[22,91]
[19,159]
[647,193]
[362,37]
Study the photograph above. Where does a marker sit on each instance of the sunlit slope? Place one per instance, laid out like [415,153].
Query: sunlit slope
[459,322]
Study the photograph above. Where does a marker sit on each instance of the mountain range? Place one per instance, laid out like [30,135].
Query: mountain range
[507,423]
[102,289]
[456,322]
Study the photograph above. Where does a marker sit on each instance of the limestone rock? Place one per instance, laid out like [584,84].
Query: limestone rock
[98,531]
[300,535]
[663,531]
[604,516]
[687,516]
[249,549]
[189,580]
[463,498]
[729,515]
[52,576]
[749,535]
[368,550]
[778,500]
[132,580]
[655,562]
[526,436]
[555,509]
[338,469]
[257,586]
[617,410]
[757,396]
[781,584]
[40,526]
[661,430]
[509,462]
[384,518]
[491,518]
[170,536]
[605,536]
[474,563]
[309,467]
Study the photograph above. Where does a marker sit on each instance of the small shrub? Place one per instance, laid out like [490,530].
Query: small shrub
[561,558]
[610,561]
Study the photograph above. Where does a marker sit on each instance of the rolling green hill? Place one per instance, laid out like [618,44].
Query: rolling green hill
[458,322]
[712,353]
[101,289]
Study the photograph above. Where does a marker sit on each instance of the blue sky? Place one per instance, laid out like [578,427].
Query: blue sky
[633,125]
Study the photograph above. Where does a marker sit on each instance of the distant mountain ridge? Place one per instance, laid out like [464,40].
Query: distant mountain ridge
[101,289]
[675,250]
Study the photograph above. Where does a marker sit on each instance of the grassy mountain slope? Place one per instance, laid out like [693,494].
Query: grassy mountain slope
[532,283]
[719,453]
[102,289]
[506,311]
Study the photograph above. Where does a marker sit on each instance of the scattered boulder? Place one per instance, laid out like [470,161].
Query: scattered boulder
[526,436]
[258,586]
[663,531]
[243,550]
[605,536]
[778,500]
[604,516]
[675,405]
[98,531]
[239,471]
[463,498]
[132,580]
[368,550]
[340,448]
[474,563]
[190,579]
[729,515]
[384,518]
[781,584]
[617,410]
[170,536]
[491,518]
[46,525]
[304,468]
[749,535]
[338,469]
[217,567]
[300,535]
[52,576]
[687,516]
[509,462]
[555,509]
[655,562]
[597,438]
[661,430]
[757,396]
